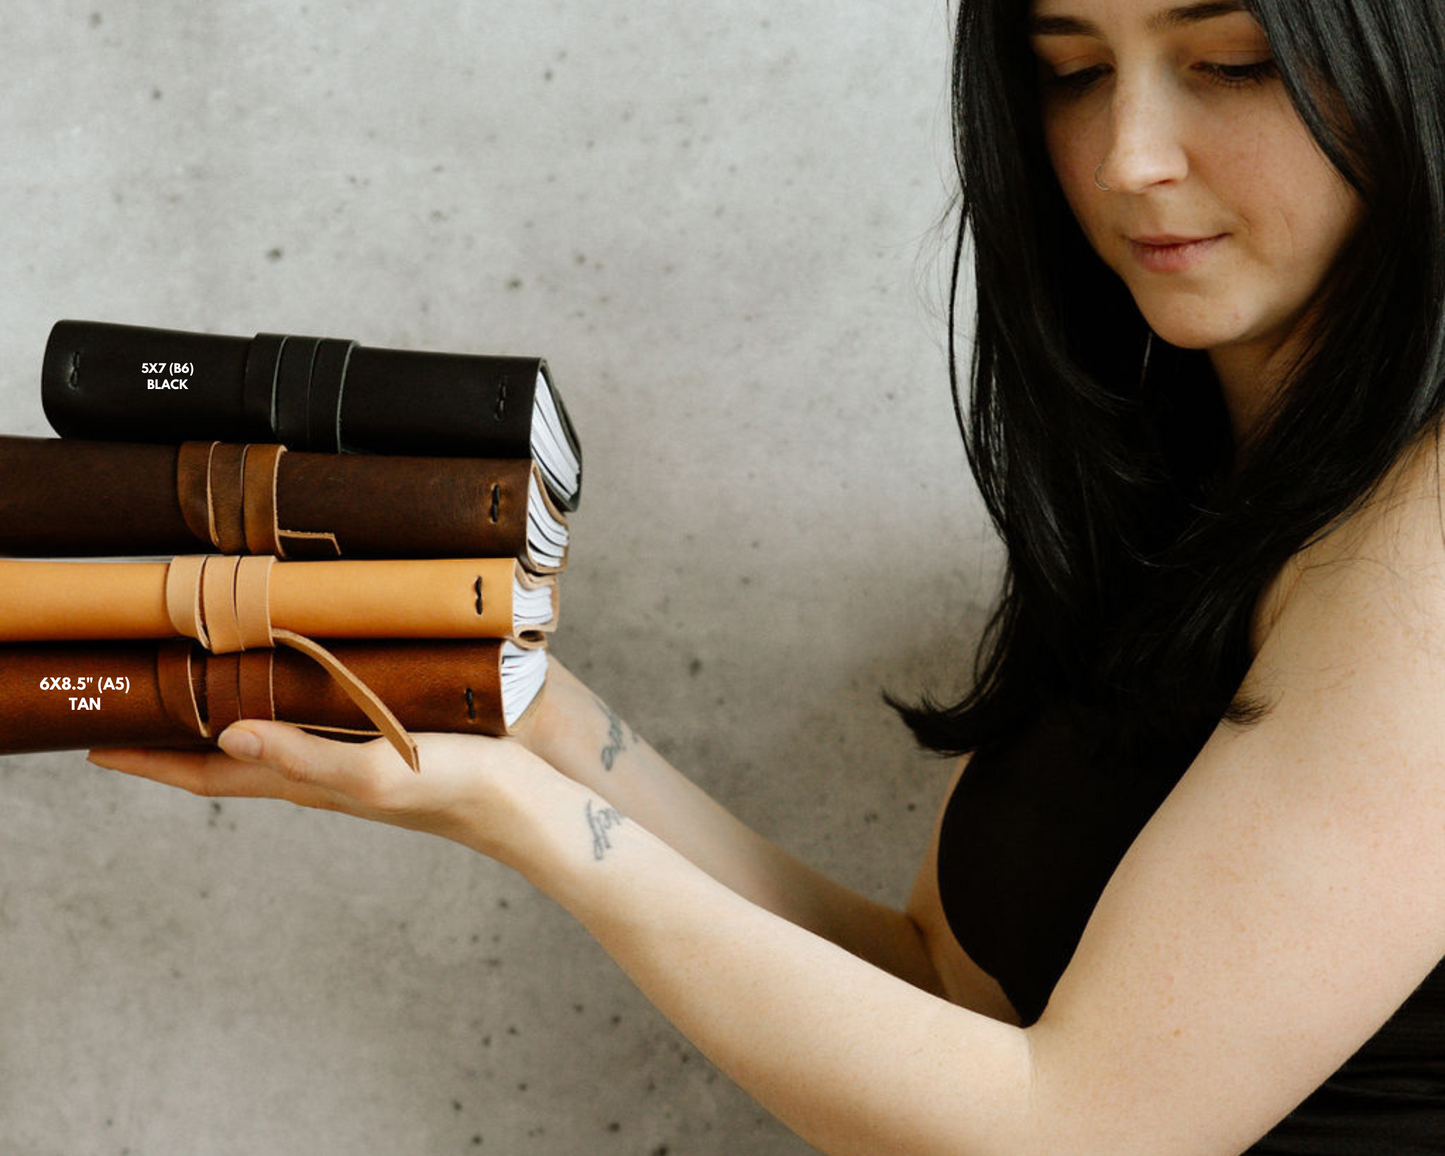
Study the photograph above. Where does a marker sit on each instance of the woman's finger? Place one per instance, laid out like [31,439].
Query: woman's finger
[454,795]
[305,760]
[260,759]
[208,773]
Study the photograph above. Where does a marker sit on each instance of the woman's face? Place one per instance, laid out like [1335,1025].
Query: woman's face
[1221,214]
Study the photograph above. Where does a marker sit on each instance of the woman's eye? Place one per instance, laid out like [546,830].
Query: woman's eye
[1239,75]
[1080,80]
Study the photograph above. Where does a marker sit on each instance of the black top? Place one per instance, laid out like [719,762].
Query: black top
[1030,837]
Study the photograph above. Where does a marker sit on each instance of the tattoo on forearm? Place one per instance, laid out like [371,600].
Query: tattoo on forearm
[616,740]
[600,820]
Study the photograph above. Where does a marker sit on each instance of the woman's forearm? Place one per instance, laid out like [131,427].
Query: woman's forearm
[579,734]
[853,1059]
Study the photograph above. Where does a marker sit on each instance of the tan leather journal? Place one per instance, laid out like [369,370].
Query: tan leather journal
[236,603]
[64,696]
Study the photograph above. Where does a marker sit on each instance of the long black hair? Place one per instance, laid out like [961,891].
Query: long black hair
[1139,538]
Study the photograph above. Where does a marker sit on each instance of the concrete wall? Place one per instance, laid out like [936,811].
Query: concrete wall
[718,224]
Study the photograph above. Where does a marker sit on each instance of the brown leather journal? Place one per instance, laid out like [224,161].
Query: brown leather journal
[233,604]
[67,497]
[65,696]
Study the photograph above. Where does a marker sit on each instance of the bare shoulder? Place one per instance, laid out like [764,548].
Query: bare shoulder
[1350,659]
[1382,567]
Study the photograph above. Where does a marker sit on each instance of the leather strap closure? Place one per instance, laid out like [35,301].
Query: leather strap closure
[255,670]
[223,693]
[183,597]
[259,472]
[227,495]
[178,693]
[225,485]
[219,614]
[258,391]
[293,388]
[193,488]
[323,403]
[359,693]
[223,602]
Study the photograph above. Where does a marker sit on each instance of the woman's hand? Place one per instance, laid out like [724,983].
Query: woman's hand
[469,790]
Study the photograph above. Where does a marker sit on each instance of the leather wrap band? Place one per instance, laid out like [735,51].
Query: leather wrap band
[323,410]
[177,692]
[183,597]
[193,489]
[228,496]
[224,603]
[258,390]
[260,468]
[225,485]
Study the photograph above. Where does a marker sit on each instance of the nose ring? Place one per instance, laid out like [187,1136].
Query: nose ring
[1100,185]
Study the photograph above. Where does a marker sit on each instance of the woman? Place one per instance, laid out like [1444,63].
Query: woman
[1196,861]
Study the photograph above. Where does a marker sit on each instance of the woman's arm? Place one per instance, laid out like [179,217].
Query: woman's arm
[580,735]
[1289,894]
[1285,899]
[840,1049]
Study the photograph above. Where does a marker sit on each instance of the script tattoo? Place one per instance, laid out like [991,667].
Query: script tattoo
[599,821]
[616,740]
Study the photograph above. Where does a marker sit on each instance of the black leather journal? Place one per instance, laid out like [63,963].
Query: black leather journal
[328,395]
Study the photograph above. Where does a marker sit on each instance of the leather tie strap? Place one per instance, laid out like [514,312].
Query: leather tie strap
[224,485]
[223,602]
[219,612]
[178,694]
[227,495]
[193,489]
[255,676]
[260,478]
[259,471]
[223,695]
[183,597]
[359,693]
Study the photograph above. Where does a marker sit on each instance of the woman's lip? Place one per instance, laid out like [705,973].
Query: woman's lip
[1170,239]
[1170,254]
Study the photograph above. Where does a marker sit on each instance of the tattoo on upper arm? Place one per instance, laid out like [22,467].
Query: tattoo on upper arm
[600,820]
[617,740]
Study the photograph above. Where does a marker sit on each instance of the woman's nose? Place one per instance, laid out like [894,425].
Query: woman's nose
[1146,144]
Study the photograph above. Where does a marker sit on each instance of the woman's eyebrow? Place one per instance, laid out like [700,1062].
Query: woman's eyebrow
[1164,19]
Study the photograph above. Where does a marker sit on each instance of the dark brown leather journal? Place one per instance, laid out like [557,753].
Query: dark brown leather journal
[65,696]
[328,395]
[70,497]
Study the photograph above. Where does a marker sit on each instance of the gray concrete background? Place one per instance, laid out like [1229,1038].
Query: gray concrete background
[718,224]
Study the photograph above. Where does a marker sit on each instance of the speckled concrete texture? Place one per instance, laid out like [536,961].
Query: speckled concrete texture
[719,226]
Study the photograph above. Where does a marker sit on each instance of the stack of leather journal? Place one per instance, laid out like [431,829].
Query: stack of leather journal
[361,541]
